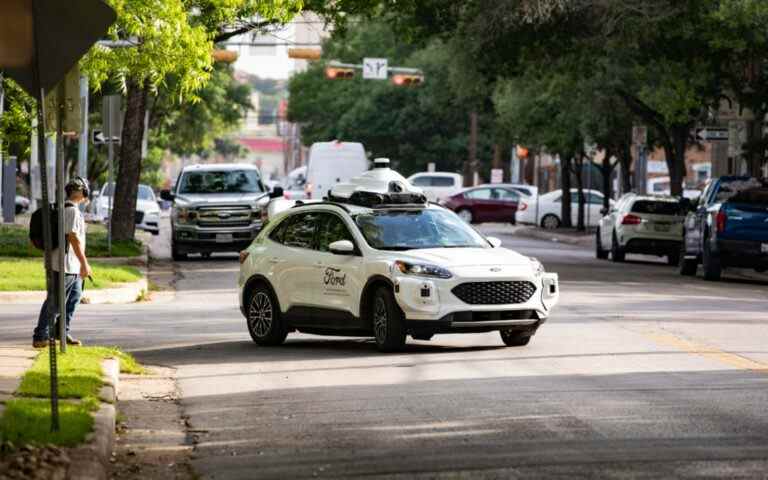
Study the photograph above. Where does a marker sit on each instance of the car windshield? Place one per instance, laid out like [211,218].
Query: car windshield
[144,193]
[413,229]
[657,207]
[225,181]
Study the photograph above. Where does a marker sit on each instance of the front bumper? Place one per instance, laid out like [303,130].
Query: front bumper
[426,300]
[192,238]
[742,253]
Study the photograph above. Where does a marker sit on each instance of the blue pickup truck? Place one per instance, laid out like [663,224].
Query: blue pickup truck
[728,227]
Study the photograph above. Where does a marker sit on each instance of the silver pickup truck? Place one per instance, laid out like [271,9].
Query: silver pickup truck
[216,208]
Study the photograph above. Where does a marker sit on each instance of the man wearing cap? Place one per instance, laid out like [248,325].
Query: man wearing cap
[76,267]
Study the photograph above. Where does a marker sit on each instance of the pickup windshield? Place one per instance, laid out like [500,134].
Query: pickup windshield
[225,181]
[413,229]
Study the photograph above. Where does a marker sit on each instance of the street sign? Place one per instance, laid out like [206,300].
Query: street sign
[737,137]
[72,121]
[658,166]
[98,138]
[497,175]
[712,133]
[375,68]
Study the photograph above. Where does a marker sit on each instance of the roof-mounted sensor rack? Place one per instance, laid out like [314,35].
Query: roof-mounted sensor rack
[381,200]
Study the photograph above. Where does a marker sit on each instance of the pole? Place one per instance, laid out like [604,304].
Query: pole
[61,294]
[589,191]
[110,185]
[82,147]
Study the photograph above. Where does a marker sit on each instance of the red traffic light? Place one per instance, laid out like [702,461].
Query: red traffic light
[335,73]
[402,80]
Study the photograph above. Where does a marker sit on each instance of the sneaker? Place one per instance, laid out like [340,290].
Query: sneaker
[39,343]
[73,341]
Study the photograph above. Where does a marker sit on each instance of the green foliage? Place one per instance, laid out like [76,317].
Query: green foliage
[16,121]
[28,421]
[28,274]
[16,243]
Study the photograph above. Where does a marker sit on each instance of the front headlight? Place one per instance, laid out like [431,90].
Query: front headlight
[538,268]
[422,270]
[186,215]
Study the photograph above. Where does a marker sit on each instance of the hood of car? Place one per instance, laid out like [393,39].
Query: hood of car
[469,257]
[198,199]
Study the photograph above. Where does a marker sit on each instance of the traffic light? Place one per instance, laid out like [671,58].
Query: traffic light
[337,73]
[305,53]
[225,56]
[407,80]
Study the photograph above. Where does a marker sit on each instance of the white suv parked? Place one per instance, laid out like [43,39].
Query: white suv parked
[375,259]
[648,224]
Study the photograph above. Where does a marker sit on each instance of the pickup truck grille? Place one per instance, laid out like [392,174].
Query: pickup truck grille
[494,293]
[224,216]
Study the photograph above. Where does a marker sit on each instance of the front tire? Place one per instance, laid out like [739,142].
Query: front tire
[512,338]
[550,222]
[265,323]
[388,321]
[599,252]
[466,215]
[175,254]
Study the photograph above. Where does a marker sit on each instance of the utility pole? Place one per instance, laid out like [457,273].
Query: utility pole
[82,147]
[471,167]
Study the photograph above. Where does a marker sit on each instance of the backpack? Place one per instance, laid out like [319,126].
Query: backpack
[36,227]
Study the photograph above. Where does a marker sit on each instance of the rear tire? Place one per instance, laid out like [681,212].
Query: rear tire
[713,268]
[550,222]
[688,266]
[599,252]
[512,338]
[617,253]
[673,258]
[263,317]
[388,321]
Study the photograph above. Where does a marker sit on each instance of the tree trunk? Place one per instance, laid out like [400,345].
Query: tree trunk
[565,182]
[675,153]
[606,171]
[626,167]
[470,167]
[129,171]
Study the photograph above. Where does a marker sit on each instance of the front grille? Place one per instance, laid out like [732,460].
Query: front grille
[494,293]
[139,217]
[224,216]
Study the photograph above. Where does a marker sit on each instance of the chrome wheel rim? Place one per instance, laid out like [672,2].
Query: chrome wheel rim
[260,314]
[550,223]
[466,215]
[380,320]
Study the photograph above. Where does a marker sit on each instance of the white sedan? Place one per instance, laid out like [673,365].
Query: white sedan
[546,210]
[147,208]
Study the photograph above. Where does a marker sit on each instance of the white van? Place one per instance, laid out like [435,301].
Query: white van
[331,163]
[437,185]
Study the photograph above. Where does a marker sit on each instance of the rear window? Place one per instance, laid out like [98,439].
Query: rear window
[733,187]
[752,196]
[656,208]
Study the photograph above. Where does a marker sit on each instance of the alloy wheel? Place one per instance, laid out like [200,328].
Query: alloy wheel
[380,318]
[260,315]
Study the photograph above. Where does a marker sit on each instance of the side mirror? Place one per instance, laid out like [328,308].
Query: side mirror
[342,247]
[604,211]
[166,195]
[495,242]
[276,192]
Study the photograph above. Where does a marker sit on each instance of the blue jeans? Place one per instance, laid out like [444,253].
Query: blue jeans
[73,288]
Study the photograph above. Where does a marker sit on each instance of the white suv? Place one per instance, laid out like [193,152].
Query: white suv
[648,224]
[375,259]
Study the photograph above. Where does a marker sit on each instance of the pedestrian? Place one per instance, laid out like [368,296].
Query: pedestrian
[76,267]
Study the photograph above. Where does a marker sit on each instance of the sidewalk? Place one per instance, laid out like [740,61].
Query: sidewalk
[569,236]
[14,361]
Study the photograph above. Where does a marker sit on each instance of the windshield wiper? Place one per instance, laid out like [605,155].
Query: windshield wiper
[399,248]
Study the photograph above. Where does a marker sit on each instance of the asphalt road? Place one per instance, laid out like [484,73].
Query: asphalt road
[639,373]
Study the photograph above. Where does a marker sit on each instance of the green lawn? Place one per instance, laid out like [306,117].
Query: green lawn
[15,243]
[79,372]
[27,420]
[29,274]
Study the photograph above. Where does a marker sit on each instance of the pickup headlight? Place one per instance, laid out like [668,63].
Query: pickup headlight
[538,268]
[186,215]
[422,270]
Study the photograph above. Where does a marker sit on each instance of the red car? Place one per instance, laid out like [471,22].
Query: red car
[485,203]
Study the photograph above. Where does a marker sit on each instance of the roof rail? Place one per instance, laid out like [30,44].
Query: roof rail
[299,204]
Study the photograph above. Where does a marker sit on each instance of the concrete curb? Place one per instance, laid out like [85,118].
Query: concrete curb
[532,232]
[90,461]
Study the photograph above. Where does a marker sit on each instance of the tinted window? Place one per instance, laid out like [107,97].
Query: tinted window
[656,208]
[731,188]
[594,198]
[225,181]
[507,195]
[412,229]
[300,232]
[422,182]
[443,181]
[331,228]
[277,233]
[752,196]
[479,194]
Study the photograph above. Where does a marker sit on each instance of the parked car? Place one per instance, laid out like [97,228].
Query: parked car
[331,163]
[727,227]
[22,204]
[546,210]
[437,186]
[293,184]
[647,224]
[485,203]
[216,208]
[147,208]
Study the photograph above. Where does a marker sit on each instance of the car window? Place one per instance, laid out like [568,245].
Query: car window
[331,228]
[479,194]
[656,207]
[225,181]
[443,181]
[733,187]
[594,198]
[300,233]
[422,181]
[525,191]
[277,233]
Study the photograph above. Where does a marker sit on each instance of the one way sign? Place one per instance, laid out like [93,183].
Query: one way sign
[99,138]
[712,133]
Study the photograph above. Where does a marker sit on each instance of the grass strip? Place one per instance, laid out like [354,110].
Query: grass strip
[79,371]
[28,421]
[28,274]
[16,243]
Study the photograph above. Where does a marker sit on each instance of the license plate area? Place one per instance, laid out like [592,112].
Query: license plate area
[223,238]
[661,227]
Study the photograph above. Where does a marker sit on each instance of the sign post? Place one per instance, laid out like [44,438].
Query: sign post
[640,139]
[112,121]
